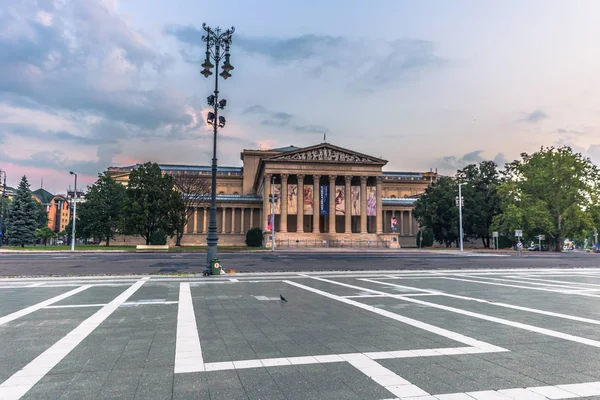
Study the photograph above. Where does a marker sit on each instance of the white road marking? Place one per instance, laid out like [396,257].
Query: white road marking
[493,303]
[144,303]
[409,321]
[77,306]
[45,303]
[188,353]
[22,381]
[233,280]
[36,284]
[265,298]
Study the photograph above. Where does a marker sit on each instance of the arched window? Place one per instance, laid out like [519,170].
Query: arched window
[393,196]
[221,192]
[235,193]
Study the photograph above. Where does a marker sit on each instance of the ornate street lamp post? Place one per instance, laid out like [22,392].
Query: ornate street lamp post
[217,49]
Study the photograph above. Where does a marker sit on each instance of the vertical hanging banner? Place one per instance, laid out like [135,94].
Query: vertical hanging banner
[277,194]
[340,200]
[355,190]
[371,201]
[308,200]
[292,199]
[270,222]
[324,200]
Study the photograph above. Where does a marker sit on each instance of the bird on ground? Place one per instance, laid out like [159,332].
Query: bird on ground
[282,298]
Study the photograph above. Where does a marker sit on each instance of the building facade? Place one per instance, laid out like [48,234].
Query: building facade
[57,207]
[325,196]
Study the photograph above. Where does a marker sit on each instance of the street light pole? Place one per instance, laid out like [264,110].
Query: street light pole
[74,212]
[2,207]
[460,200]
[215,40]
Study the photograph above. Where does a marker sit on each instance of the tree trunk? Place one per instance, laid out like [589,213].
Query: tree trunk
[107,241]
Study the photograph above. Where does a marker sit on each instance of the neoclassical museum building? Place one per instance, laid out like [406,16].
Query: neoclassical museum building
[326,196]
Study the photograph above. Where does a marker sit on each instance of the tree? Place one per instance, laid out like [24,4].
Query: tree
[481,199]
[254,237]
[41,215]
[101,212]
[44,234]
[436,210]
[148,203]
[193,190]
[552,192]
[22,216]
[7,202]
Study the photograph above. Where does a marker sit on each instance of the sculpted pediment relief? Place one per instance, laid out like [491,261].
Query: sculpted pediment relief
[326,154]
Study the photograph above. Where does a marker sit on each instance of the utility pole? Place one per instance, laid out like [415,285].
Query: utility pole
[74,212]
[459,200]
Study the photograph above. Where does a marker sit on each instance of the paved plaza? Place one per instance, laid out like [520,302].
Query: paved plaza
[419,335]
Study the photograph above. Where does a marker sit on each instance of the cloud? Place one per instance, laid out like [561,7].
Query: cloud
[82,57]
[365,63]
[282,119]
[451,164]
[535,116]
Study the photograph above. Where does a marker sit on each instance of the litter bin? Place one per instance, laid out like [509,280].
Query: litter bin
[215,267]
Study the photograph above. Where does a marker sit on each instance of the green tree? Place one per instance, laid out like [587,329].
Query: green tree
[149,202]
[44,234]
[101,212]
[481,199]
[254,237]
[551,192]
[7,202]
[22,214]
[41,215]
[436,210]
[80,230]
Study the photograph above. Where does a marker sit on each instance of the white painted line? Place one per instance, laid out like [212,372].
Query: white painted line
[45,303]
[188,353]
[520,286]
[36,284]
[409,321]
[493,303]
[391,381]
[144,303]
[77,306]
[233,280]
[21,382]
[542,284]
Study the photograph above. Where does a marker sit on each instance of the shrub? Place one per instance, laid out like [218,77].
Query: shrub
[255,237]
[158,238]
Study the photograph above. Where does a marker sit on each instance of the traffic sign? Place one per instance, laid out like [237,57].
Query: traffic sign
[495,234]
[542,237]
[518,233]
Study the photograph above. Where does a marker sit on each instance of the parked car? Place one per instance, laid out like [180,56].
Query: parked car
[60,242]
[536,247]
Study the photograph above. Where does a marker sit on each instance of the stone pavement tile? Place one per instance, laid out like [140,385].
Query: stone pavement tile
[88,381]
[193,386]
[228,394]
[46,391]
[83,395]
[364,387]
[258,384]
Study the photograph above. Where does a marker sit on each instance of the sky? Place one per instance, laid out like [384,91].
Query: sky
[87,84]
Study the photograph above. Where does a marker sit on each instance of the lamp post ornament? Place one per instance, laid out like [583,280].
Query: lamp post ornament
[217,49]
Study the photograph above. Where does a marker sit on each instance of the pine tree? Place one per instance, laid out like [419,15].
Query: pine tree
[22,217]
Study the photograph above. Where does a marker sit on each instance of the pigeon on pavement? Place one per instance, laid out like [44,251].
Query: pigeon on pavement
[282,298]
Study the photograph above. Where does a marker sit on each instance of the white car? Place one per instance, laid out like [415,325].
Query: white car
[60,241]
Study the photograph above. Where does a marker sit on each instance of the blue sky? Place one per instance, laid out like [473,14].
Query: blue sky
[423,84]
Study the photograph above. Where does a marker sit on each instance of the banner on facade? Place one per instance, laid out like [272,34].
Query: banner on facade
[292,199]
[324,200]
[371,201]
[277,194]
[270,223]
[355,190]
[340,200]
[308,200]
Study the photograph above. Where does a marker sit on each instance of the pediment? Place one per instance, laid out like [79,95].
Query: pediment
[326,153]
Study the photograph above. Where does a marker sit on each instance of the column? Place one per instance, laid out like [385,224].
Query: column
[195,220]
[233,220]
[316,207]
[332,203]
[266,204]
[300,214]
[284,201]
[402,222]
[348,200]
[205,221]
[242,222]
[252,218]
[410,223]
[379,215]
[363,204]
[223,219]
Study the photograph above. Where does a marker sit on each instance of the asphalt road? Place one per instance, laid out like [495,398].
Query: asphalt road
[57,264]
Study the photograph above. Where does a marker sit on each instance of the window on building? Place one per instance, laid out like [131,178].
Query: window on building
[393,196]
[235,193]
